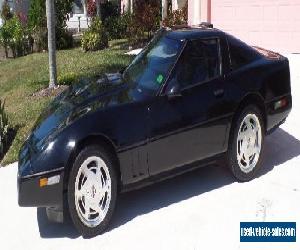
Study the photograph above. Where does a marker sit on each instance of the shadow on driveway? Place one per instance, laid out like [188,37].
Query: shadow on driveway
[279,148]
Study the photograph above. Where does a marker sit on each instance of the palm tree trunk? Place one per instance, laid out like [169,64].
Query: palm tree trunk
[164,10]
[98,8]
[51,43]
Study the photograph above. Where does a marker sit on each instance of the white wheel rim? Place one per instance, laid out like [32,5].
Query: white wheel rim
[249,143]
[92,191]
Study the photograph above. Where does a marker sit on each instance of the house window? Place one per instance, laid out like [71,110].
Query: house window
[78,7]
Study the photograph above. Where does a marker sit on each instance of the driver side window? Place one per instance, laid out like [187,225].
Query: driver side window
[199,62]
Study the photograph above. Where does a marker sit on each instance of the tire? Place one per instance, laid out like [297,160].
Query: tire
[91,205]
[246,143]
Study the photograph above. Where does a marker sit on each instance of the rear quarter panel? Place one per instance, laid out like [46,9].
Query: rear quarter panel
[276,85]
[267,78]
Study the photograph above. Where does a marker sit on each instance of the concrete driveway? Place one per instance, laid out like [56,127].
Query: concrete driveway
[199,210]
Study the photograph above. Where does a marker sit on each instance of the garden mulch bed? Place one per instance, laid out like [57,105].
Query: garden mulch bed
[50,92]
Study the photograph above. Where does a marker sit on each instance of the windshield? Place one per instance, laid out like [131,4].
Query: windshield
[150,68]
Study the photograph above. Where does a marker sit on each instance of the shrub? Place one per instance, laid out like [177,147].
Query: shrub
[40,39]
[37,24]
[13,35]
[95,38]
[116,27]
[5,36]
[3,128]
[177,17]
[135,32]
[65,39]
[91,8]
[148,16]
[109,9]
[144,20]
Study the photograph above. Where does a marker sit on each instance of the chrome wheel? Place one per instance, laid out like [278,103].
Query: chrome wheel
[249,142]
[92,191]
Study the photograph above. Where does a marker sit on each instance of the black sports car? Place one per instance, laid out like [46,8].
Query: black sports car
[193,96]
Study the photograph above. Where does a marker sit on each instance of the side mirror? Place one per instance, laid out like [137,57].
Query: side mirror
[173,90]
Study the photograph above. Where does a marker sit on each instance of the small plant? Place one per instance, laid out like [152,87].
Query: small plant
[95,38]
[3,128]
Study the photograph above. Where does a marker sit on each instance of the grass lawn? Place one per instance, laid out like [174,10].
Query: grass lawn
[21,77]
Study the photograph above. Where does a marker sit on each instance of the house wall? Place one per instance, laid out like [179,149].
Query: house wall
[273,24]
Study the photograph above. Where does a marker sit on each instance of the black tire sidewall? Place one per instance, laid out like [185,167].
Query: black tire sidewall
[232,151]
[94,150]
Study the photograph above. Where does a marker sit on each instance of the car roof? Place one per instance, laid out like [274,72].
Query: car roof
[192,32]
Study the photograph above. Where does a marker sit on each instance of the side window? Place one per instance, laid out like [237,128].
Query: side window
[199,62]
[240,53]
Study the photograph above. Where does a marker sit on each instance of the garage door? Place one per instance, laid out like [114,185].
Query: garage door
[272,24]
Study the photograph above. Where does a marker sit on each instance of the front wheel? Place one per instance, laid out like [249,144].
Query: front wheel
[92,190]
[246,143]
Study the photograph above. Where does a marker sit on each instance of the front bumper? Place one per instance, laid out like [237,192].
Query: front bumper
[30,194]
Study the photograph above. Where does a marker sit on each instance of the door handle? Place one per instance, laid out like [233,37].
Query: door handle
[219,92]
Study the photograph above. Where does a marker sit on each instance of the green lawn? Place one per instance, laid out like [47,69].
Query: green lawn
[21,77]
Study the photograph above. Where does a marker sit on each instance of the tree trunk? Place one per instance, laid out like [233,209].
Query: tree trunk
[164,10]
[127,6]
[131,6]
[6,51]
[51,43]
[98,8]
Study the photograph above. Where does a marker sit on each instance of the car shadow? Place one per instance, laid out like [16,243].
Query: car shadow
[279,148]
[50,229]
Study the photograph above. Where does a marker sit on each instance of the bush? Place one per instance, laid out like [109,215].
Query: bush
[109,9]
[3,128]
[177,17]
[13,35]
[5,37]
[116,27]
[144,21]
[64,39]
[95,38]
[40,39]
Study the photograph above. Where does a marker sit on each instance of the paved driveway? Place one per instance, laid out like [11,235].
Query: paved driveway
[199,210]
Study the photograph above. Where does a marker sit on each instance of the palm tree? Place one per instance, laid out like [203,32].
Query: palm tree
[164,6]
[98,8]
[129,6]
[50,12]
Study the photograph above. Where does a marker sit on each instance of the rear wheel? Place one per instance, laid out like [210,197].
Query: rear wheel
[246,143]
[92,190]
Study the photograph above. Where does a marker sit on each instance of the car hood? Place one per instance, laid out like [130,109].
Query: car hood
[83,97]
